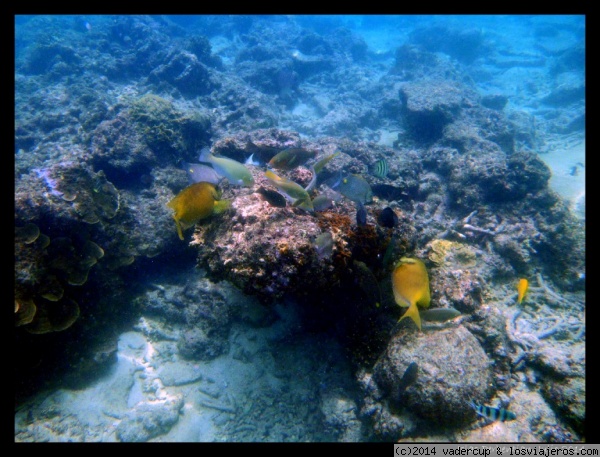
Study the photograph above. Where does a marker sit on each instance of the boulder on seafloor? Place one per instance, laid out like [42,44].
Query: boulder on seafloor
[488,324]
[149,420]
[452,370]
[202,307]
[562,377]
[566,398]
[431,105]
[196,344]
[341,418]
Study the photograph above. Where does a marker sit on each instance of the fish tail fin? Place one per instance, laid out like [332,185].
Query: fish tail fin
[205,155]
[337,181]
[413,313]
[179,231]
[313,180]
[221,206]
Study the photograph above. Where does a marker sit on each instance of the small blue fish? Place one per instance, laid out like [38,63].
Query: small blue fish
[380,168]
[493,414]
[197,172]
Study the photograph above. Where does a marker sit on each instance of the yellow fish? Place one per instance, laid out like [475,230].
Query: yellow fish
[196,202]
[410,283]
[299,197]
[522,289]
[291,158]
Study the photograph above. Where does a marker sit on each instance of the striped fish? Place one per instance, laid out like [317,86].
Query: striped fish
[493,414]
[380,168]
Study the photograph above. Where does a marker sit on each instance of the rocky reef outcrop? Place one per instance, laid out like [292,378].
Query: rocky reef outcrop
[97,162]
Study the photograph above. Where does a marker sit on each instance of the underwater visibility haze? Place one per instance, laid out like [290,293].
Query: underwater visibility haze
[222,223]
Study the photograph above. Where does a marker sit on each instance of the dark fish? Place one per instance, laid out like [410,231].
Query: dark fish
[409,377]
[361,214]
[389,252]
[493,414]
[367,282]
[387,218]
[380,168]
[272,197]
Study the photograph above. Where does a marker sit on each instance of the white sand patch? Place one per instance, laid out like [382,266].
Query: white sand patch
[568,176]
[387,137]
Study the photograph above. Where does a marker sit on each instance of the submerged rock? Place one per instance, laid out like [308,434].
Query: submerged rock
[453,369]
[341,416]
[149,420]
[196,344]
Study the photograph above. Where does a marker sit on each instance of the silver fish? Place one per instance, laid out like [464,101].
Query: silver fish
[439,314]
